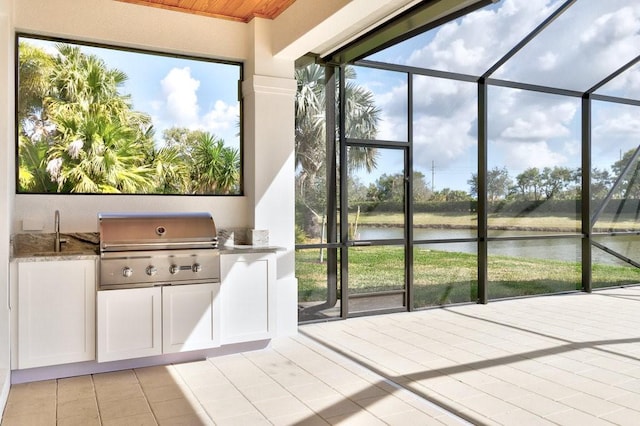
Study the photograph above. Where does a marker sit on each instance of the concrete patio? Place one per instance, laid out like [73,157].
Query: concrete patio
[564,359]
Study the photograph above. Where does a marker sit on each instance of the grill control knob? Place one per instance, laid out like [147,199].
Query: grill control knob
[196,267]
[173,269]
[151,270]
[127,272]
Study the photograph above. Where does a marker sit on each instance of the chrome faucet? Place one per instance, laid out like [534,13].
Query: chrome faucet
[59,241]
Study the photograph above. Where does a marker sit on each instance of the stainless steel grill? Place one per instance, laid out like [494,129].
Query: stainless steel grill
[142,250]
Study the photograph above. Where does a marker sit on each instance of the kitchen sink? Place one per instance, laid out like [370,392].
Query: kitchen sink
[58,253]
[42,245]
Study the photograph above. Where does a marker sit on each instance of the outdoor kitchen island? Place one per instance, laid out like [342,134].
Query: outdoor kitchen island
[61,320]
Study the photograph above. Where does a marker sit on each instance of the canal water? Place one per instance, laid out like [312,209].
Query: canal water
[566,249]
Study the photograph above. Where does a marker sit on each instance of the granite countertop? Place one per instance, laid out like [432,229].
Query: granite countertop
[39,247]
[36,247]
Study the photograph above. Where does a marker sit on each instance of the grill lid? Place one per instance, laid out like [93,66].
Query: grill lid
[156,231]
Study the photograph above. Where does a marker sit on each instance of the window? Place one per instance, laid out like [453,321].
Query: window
[103,120]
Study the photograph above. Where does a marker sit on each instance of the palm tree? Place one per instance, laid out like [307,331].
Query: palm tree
[172,172]
[34,68]
[217,167]
[77,133]
[361,119]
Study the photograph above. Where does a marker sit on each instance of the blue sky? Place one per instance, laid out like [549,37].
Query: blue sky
[196,94]
[526,129]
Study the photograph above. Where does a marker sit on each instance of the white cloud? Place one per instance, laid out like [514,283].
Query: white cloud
[180,106]
[548,61]
[533,130]
[443,140]
[535,124]
[523,155]
[475,42]
[221,118]
[583,46]
[625,125]
[444,119]
[526,129]
[180,96]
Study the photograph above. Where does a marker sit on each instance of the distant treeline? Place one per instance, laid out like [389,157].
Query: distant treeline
[516,207]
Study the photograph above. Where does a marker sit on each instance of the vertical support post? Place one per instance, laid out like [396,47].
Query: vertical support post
[409,197]
[585,196]
[331,182]
[483,290]
[344,205]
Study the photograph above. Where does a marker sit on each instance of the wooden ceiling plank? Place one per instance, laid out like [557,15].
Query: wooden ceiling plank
[237,10]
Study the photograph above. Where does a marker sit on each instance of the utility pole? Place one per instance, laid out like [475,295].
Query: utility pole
[433,176]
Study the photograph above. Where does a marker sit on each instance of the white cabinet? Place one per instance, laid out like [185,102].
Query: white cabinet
[142,322]
[248,310]
[189,320]
[56,312]
[129,323]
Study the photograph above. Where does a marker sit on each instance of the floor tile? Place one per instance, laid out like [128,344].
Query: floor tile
[562,360]
[166,392]
[86,407]
[79,421]
[232,407]
[333,406]
[75,388]
[145,419]
[625,416]
[175,407]
[282,406]
[29,419]
[119,408]
[119,391]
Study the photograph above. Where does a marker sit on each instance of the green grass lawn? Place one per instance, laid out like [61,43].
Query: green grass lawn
[442,277]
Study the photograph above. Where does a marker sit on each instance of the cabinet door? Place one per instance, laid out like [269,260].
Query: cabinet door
[129,323]
[190,317]
[56,312]
[248,299]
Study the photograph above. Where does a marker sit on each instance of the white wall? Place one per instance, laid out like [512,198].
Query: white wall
[269,103]
[123,24]
[6,187]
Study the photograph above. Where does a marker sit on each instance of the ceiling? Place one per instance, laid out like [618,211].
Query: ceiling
[236,10]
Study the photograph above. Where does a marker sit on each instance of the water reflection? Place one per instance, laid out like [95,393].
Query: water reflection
[556,249]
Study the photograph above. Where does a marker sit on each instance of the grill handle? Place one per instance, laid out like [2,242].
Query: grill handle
[125,246]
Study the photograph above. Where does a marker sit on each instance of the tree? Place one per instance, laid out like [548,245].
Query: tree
[356,189]
[498,183]
[554,182]
[451,195]
[387,188]
[183,140]
[34,68]
[630,185]
[78,133]
[216,167]
[172,172]
[92,138]
[528,183]
[421,190]
[601,181]
[361,117]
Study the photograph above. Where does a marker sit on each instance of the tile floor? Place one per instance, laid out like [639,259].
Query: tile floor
[568,360]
